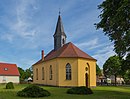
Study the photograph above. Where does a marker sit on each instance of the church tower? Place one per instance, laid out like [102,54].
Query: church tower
[59,35]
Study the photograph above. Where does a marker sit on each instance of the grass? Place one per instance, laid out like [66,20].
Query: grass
[102,92]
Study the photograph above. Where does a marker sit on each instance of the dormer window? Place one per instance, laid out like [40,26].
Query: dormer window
[5,69]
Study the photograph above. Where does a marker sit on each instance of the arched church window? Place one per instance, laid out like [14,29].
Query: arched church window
[68,72]
[36,74]
[88,64]
[63,41]
[87,68]
[51,72]
[42,73]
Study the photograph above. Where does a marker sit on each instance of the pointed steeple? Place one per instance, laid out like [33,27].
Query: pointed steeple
[59,27]
[59,35]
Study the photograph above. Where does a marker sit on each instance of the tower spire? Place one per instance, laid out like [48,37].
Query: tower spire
[59,35]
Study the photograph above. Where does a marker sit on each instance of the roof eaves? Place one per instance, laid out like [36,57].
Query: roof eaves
[40,61]
[9,75]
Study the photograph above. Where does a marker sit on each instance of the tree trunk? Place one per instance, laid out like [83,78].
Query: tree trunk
[115,79]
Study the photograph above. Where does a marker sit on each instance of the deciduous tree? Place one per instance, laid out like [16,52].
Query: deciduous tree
[112,66]
[98,70]
[115,22]
[25,74]
[22,74]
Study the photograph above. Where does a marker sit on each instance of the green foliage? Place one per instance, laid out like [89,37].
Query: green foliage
[33,91]
[98,70]
[9,85]
[24,74]
[127,77]
[80,90]
[126,63]
[115,22]
[28,73]
[112,66]
[126,68]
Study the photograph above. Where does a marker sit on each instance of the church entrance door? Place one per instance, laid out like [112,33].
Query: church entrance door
[86,79]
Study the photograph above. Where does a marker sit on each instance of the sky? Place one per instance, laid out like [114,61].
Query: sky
[27,27]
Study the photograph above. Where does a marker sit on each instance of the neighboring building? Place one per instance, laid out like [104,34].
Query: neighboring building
[65,65]
[119,79]
[9,73]
[102,80]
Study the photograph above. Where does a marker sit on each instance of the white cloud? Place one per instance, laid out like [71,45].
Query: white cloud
[102,51]
[8,37]
[99,46]
[88,44]
[103,54]
[23,27]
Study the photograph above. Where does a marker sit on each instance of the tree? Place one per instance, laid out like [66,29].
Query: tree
[127,62]
[22,74]
[98,70]
[25,74]
[115,22]
[126,68]
[127,76]
[112,66]
[28,73]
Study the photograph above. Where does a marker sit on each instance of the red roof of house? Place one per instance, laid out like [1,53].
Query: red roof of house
[9,69]
[68,50]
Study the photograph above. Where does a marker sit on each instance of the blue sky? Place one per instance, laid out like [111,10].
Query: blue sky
[27,27]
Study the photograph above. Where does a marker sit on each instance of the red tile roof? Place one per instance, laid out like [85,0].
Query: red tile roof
[68,50]
[9,69]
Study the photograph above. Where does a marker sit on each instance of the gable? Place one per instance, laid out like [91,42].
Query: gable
[7,69]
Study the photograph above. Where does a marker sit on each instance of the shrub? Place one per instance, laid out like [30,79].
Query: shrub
[79,90]
[33,91]
[9,85]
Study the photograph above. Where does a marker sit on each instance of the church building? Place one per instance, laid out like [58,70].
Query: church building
[65,65]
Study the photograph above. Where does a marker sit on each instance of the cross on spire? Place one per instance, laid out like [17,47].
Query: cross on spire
[59,11]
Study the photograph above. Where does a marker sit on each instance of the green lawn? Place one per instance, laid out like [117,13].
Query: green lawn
[60,93]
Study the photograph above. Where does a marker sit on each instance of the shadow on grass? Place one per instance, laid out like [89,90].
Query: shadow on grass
[60,93]
[104,94]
